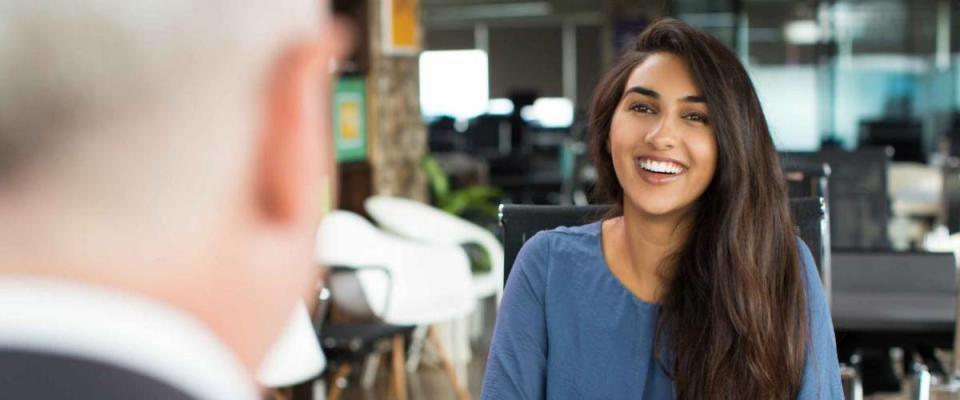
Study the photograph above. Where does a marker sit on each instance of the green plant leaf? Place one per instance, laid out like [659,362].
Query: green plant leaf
[481,193]
[477,197]
[439,182]
[458,202]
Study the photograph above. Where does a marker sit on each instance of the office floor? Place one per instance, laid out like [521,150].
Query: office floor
[945,358]
[906,396]
[430,382]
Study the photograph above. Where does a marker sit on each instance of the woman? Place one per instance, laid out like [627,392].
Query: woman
[695,285]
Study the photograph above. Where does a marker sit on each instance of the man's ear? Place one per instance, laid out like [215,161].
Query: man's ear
[294,141]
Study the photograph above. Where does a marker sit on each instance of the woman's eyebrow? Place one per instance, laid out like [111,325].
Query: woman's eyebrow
[653,93]
[644,91]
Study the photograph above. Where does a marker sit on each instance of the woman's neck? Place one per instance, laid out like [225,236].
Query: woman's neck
[649,239]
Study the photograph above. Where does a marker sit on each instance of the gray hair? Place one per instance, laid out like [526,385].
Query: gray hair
[70,66]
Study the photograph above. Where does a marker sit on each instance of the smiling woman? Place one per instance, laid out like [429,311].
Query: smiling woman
[695,285]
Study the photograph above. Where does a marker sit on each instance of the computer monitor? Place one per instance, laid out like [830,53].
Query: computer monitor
[905,136]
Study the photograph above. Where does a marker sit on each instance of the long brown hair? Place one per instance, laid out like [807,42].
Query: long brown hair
[732,321]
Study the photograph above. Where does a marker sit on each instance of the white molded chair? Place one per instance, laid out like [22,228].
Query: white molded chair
[427,224]
[414,283]
[427,283]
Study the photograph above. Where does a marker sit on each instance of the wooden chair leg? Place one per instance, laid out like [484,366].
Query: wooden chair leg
[399,373]
[303,391]
[280,394]
[335,390]
[462,392]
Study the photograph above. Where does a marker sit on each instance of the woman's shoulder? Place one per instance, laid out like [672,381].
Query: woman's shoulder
[559,243]
[810,268]
[587,230]
[816,296]
[558,257]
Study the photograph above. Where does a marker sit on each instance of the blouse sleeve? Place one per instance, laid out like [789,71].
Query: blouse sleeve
[821,371]
[516,367]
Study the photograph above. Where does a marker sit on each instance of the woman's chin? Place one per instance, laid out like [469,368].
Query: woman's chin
[658,210]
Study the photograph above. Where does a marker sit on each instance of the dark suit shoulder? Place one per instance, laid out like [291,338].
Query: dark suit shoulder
[35,375]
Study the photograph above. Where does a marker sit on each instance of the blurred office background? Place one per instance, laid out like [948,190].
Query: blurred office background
[462,105]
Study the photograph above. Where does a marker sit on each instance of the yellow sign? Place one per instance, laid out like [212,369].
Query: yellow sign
[402,28]
[349,120]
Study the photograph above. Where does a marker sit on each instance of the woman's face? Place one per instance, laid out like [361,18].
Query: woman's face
[661,141]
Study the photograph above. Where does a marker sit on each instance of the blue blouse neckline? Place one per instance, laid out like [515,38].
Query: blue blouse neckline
[596,230]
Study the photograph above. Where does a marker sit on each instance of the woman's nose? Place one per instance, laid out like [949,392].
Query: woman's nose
[662,136]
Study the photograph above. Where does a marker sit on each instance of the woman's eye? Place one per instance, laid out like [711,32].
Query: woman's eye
[642,108]
[697,117]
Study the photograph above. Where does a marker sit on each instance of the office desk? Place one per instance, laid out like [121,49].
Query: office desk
[894,298]
[893,312]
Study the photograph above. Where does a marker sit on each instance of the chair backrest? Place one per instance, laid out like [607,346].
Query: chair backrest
[521,222]
[951,194]
[807,178]
[810,218]
[859,205]
[403,282]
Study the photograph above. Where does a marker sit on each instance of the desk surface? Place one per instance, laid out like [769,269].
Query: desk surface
[893,292]
[893,312]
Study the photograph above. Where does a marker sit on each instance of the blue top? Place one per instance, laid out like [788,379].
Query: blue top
[568,329]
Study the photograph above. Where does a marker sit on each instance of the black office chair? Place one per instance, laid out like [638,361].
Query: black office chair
[859,205]
[807,178]
[951,193]
[521,222]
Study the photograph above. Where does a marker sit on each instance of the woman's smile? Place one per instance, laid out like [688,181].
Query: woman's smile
[658,170]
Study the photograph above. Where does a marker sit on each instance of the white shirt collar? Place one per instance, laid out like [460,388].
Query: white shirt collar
[296,356]
[121,329]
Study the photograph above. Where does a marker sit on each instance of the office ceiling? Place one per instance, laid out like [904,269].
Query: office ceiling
[873,25]
[491,10]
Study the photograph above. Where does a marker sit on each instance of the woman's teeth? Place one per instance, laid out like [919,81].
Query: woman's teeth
[661,167]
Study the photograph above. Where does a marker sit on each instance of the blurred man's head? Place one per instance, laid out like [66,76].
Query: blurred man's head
[173,148]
